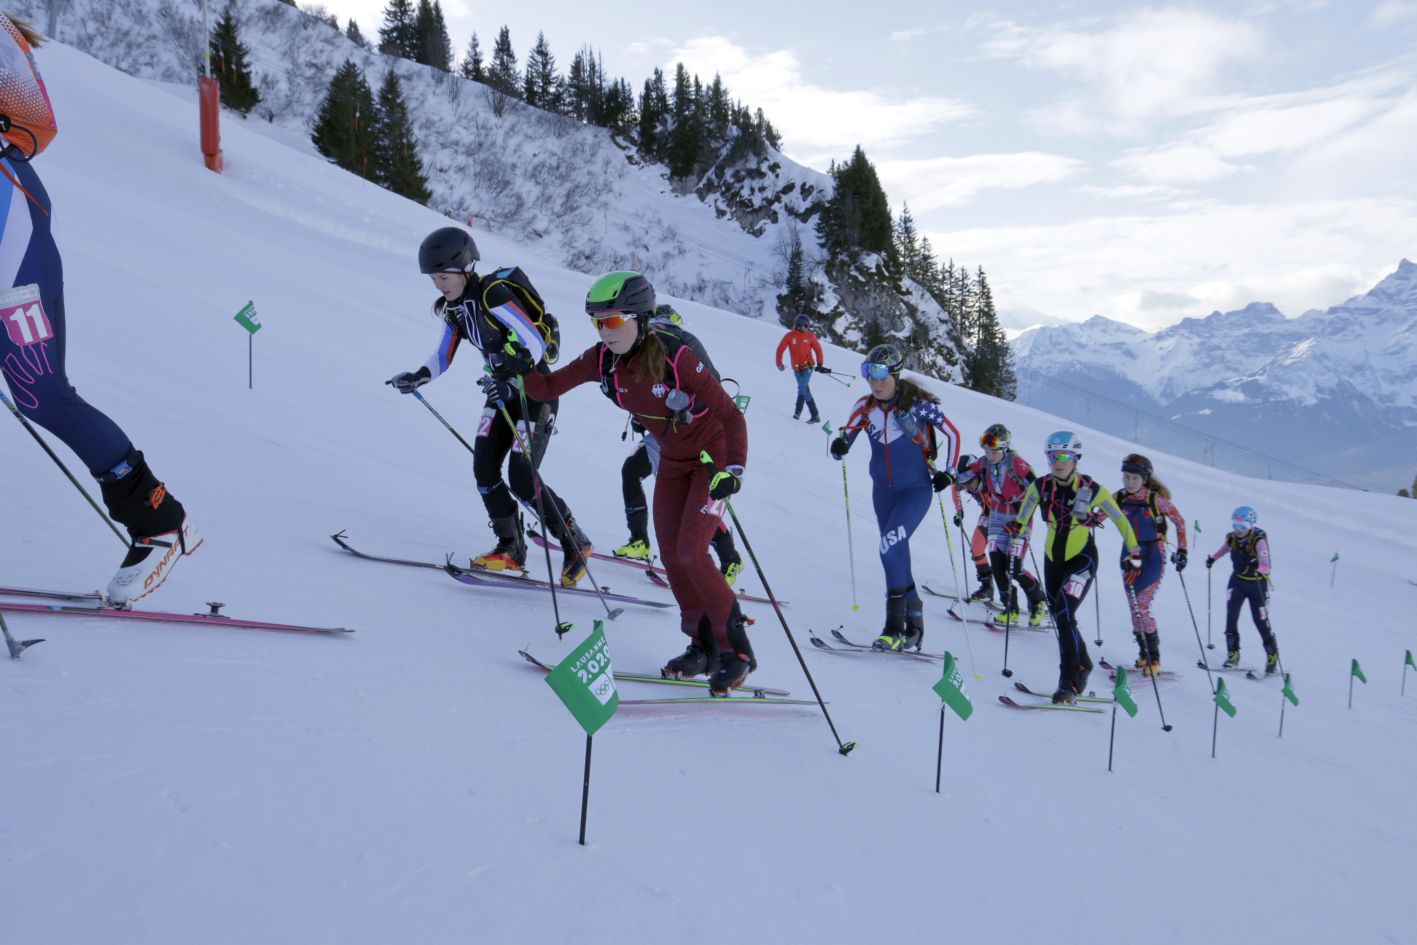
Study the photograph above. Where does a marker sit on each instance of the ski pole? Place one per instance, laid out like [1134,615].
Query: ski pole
[841,747]
[445,423]
[836,376]
[1204,662]
[850,552]
[1208,644]
[65,469]
[1097,607]
[16,648]
[1136,622]
[959,599]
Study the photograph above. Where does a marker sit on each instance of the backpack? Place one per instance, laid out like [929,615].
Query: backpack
[1161,521]
[520,286]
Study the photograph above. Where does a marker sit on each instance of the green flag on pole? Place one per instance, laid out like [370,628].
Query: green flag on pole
[1409,661]
[585,683]
[827,427]
[1222,698]
[1122,692]
[1334,558]
[1289,690]
[1358,671]
[1198,526]
[742,401]
[951,688]
[247,318]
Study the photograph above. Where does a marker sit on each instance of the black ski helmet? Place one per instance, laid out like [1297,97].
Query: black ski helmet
[997,437]
[889,356]
[625,292]
[801,321]
[449,249]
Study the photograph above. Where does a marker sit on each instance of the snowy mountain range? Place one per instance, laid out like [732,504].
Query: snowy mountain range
[1333,390]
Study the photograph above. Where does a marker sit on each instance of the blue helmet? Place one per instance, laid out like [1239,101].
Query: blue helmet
[1064,441]
[1243,518]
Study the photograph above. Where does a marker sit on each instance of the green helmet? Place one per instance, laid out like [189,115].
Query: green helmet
[627,292]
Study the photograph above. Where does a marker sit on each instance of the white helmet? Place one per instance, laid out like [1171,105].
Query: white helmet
[1064,441]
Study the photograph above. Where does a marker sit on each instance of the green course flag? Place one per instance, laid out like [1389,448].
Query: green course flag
[1198,526]
[1222,698]
[247,318]
[742,401]
[1358,671]
[827,427]
[1123,693]
[1408,661]
[951,688]
[1289,690]
[1334,558]
[585,683]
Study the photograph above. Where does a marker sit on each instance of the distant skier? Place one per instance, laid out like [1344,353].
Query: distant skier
[1073,505]
[495,313]
[1004,476]
[644,461]
[966,479]
[1248,548]
[900,412]
[33,340]
[1146,502]
[658,378]
[805,355]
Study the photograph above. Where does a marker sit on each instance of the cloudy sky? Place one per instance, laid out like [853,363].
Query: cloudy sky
[1145,163]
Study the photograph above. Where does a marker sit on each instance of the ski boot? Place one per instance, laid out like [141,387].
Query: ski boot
[914,620]
[510,551]
[892,636]
[575,548]
[1153,662]
[694,661]
[1081,674]
[1065,694]
[985,593]
[735,665]
[158,531]
[636,549]
[1232,659]
[1008,616]
[1143,653]
[1037,613]
[814,418]
[1271,663]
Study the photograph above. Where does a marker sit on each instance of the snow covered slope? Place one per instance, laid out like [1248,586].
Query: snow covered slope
[1332,390]
[417,782]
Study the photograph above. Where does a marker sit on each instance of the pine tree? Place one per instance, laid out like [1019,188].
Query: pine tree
[434,47]
[472,67]
[542,85]
[352,33]
[857,217]
[398,167]
[686,133]
[503,75]
[399,34]
[907,244]
[233,72]
[654,111]
[718,109]
[793,301]
[990,365]
[578,85]
[344,126]
[618,111]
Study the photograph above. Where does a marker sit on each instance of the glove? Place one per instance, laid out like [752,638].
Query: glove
[498,389]
[636,426]
[410,381]
[1131,566]
[726,483]
[839,446]
[1178,558]
[503,365]
[941,480]
[822,369]
[781,368]
[1013,528]
[1209,562]
[959,520]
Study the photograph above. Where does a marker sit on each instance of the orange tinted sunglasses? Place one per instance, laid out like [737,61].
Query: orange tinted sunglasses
[612,322]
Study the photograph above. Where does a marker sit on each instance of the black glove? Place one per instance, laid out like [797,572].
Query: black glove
[726,483]
[1209,562]
[839,446]
[1013,528]
[498,390]
[636,426]
[941,480]
[822,369]
[1178,558]
[503,365]
[410,381]
[959,520]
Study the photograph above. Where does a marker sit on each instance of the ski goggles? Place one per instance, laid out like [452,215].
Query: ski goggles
[611,321]
[875,372]
[1062,456]
[991,442]
[1240,525]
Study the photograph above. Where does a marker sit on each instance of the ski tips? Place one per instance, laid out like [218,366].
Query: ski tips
[19,646]
[846,748]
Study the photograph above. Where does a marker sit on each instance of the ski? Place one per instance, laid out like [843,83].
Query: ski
[1261,676]
[994,625]
[719,700]
[481,578]
[1088,698]
[1227,669]
[848,646]
[76,596]
[1048,705]
[660,680]
[656,577]
[159,616]
[1134,673]
[991,604]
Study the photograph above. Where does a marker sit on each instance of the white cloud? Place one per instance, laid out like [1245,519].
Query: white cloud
[1178,164]
[1149,64]
[1392,12]
[950,181]
[817,123]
